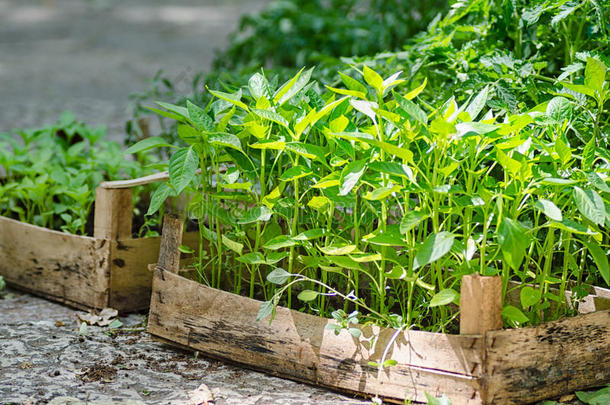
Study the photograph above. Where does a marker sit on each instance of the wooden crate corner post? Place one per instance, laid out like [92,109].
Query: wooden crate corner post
[113,213]
[171,239]
[480,304]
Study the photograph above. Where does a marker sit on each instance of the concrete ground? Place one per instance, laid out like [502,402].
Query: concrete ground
[46,359]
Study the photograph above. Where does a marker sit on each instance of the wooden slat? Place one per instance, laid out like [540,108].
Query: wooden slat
[113,213]
[480,304]
[67,268]
[298,346]
[130,279]
[556,358]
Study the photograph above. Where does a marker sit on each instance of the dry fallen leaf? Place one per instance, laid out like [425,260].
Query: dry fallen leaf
[104,318]
[59,324]
[201,396]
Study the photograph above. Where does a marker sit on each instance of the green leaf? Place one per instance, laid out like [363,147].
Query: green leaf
[590,204]
[392,168]
[337,250]
[307,295]
[510,165]
[225,139]
[267,308]
[278,276]
[514,314]
[318,202]
[389,363]
[295,173]
[199,117]
[115,324]
[513,241]
[416,92]
[434,247]
[258,86]
[549,209]
[353,93]
[183,167]
[233,245]
[600,258]
[352,83]
[529,296]
[373,78]
[234,98]
[588,154]
[186,249]
[148,143]
[292,87]
[476,106]
[311,234]
[412,109]
[252,258]
[600,397]
[444,297]
[272,116]
[559,109]
[345,262]
[181,112]
[158,197]
[432,400]
[595,74]
[381,193]
[350,175]
[269,144]
[256,214]
[279,242]
[411,219]
[597,182]
[307,150]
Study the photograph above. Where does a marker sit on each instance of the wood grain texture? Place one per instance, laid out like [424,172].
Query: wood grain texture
[556,358]
[169,255]
[67,268]
[480,304]
[297,345]
[113,213]
[130,278]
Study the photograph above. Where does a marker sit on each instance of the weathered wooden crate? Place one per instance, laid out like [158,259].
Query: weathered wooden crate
[109,269]
[479,366]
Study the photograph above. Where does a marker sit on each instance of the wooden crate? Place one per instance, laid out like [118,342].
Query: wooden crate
[109,269]
[479,366]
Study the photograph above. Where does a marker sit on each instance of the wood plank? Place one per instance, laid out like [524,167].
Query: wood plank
[113,213]
[298,346]
[67,268]
[130,279]
[480,304]
[552,359]
[169,255]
